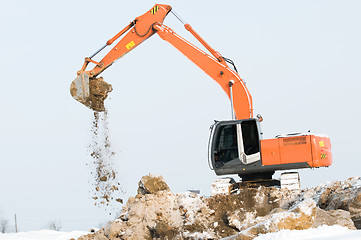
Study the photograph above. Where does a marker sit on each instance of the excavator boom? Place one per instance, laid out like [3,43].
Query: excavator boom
[139,30]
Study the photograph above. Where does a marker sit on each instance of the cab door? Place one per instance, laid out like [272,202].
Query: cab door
[235,144]
[248,141]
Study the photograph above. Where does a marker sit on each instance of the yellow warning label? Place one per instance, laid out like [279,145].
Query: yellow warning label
[130,45]
[323,155]
[322,143]
[154,10]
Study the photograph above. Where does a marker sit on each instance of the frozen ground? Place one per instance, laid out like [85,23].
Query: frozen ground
[42,235]
[320,233]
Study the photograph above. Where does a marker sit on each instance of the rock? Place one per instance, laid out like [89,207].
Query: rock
[99,235]
[333,217]
[163,230]
[324,197]
[232,212]
[345,195]
[300,217]
[86,237]
[157,213]
[148,216]
[151,184]
[354,208]
[196,214]
[114,229]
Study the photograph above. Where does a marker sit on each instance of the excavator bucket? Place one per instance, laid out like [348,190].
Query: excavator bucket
[90,91]
[79,88]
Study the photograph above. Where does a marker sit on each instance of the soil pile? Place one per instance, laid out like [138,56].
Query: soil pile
[105,184]
[157,213]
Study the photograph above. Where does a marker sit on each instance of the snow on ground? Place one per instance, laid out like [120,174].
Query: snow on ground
[42,235]
[321,233]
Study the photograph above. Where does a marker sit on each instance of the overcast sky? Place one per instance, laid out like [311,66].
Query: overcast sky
[301,61]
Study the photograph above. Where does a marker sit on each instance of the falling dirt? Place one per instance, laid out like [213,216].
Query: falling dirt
[106,188]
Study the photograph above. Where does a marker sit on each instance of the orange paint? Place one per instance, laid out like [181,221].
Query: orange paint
[313,149]
[270,152]
[212,64]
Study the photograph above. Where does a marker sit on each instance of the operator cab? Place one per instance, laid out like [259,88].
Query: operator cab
[235,146]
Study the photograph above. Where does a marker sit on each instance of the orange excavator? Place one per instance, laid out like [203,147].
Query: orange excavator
[236,146]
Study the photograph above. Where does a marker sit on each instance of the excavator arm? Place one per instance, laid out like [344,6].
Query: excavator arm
[90,90]
[135,33]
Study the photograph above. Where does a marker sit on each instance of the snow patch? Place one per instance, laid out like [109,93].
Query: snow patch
[197,235]
[320,233]
[306,206]
[192,204]
[42,235]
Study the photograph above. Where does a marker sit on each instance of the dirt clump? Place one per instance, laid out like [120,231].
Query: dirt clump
[98,90]
[151,184]
[333,217]
[90,91]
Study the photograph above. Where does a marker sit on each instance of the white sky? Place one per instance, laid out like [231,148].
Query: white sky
[300,59]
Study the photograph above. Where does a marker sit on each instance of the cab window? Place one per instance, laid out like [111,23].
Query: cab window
[226,148]
[250,137]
